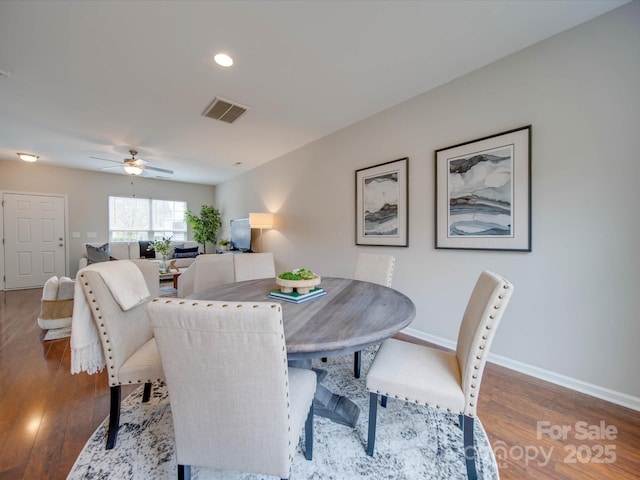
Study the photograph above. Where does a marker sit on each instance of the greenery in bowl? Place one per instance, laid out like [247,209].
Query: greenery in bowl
[298,274]
[162,246]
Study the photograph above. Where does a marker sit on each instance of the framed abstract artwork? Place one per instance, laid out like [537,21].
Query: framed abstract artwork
[483,193]
[382,204]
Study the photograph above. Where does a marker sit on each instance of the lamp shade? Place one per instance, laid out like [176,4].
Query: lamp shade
[261,220]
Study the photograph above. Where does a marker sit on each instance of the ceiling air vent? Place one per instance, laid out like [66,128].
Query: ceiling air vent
[224,110]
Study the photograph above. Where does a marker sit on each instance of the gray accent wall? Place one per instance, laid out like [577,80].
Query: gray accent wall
[574,317]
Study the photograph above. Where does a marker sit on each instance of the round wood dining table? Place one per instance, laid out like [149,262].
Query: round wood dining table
[352,316]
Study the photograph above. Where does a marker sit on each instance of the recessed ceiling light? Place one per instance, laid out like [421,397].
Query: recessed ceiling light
[223,60]
[28,157]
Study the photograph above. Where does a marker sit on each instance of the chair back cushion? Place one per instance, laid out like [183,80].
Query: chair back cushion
[226,370]
[151,273]
[481,318]
[375,268]
[252,266]
[212,270]
[207,271]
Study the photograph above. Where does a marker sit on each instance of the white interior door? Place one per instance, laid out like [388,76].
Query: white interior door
[34,239]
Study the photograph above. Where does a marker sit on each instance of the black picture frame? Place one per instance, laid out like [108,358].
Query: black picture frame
[382,204]
[483,193]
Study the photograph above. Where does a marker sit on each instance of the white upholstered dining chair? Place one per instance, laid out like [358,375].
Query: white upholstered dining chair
[374,268]
[236,405]
[252,266]
[207,271]
[436,378]
[128,346]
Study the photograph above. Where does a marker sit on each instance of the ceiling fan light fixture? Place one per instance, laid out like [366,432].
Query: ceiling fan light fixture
[132,169]
[223,60]
[28,157]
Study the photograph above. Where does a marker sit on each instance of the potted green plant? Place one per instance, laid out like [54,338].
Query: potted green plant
[224,243]
[205,227]
[163,247]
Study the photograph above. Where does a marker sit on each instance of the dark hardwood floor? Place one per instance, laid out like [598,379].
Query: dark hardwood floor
[47,414]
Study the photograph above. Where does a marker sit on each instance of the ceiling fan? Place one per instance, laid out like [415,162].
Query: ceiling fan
[133,166]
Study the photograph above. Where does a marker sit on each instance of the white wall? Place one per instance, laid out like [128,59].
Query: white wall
[574,315]
[88,194]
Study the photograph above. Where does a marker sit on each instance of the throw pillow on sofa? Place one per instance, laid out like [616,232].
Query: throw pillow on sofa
[144,249]
[66,287]
[98,254]
[185,252]
[50,289]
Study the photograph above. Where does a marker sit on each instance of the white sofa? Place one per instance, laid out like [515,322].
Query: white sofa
[131,251]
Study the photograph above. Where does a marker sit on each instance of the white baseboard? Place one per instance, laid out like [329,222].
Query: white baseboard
[603,393]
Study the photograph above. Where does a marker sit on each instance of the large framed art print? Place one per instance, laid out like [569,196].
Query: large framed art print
[483,193]
[382,204]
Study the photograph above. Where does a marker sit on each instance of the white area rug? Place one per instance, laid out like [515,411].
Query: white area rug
[57,333]
[411,442]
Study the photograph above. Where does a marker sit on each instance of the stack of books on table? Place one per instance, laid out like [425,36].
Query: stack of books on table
[296,297]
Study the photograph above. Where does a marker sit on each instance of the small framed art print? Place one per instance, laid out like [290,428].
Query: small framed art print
[382,204]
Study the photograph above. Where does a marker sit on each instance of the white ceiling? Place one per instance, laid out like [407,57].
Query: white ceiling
[97,78]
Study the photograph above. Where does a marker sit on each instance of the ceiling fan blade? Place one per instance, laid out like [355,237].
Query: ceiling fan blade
[111,168]
[107,160]
[163,170]
[138,162]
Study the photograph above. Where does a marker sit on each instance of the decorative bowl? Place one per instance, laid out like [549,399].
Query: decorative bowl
[300,286]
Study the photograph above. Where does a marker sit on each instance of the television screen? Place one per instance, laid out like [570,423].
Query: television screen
[240,234]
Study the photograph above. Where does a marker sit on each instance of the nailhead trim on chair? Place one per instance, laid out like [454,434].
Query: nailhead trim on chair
[416,401]
[479,355]
[112,382]
[224,305]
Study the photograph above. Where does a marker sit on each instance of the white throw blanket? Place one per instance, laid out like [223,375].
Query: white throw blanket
[129,289]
